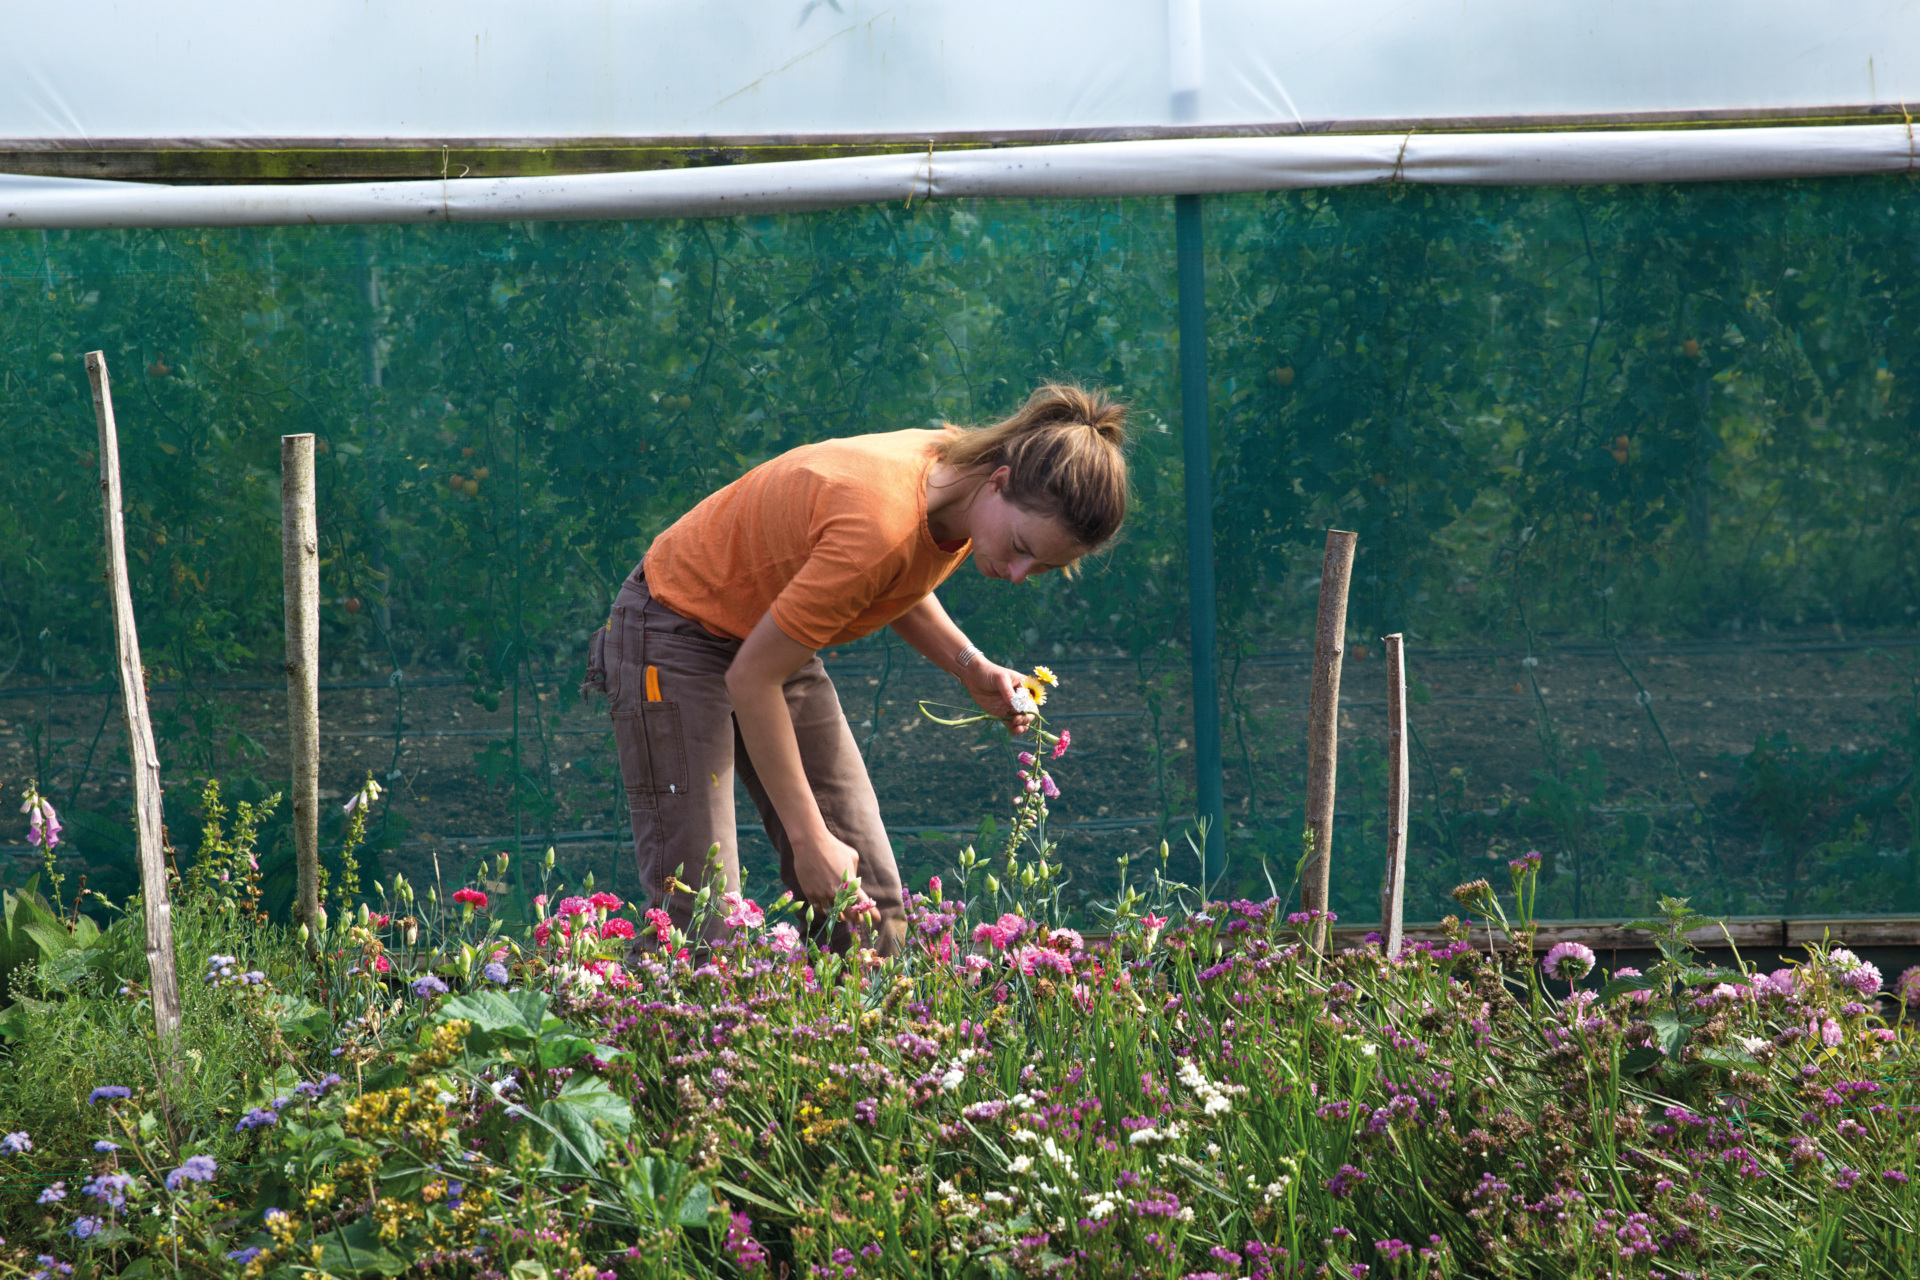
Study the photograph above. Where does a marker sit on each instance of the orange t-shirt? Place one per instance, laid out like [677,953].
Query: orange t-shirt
[832,537]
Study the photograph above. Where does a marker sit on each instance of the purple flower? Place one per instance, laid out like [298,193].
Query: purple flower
[109,1189]
[1049,788]
[83,1227]
[109,1092]
[495,972]
[1895,1176]
[1394,1250]
[1568,961]
[749,1256]
[17,1144]
[54,1194]
[43,824]
[256,1118]
[105,1147]
[428,987]
[196,1169]
[1342,1184]
[244,1256]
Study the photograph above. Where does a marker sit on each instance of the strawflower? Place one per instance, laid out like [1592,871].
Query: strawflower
[1568,961]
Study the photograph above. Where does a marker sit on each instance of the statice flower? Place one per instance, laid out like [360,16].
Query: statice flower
[1850,970]
[1568,961]
[749,1256]
[195,1169]
[17,1144]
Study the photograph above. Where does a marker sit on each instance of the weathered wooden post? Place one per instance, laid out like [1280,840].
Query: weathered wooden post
[1393,892]
[1323,724]
[156,909]
[300,561]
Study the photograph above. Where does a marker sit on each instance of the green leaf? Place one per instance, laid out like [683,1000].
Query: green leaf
[559,1050]
[51,937]
[583,1104]
[1634,1061]
[1727,1059]
[298,1017]
[518,1016]
[1672,1032]
[356,1250]
[1621,986]
[697,1208]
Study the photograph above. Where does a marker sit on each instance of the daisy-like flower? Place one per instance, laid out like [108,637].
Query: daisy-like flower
[1045,675]
[1023,701]
[1568,961]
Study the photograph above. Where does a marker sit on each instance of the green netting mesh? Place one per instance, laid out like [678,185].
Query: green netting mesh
[1637,471]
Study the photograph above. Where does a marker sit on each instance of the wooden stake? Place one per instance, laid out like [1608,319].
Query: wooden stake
[1323,723]
[300,561]
[156,910]
[1393,893]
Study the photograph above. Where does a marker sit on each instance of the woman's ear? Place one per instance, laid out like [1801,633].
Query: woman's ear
[999,479]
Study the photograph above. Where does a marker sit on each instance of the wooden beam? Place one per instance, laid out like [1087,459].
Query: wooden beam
[1393,892]
[156,909]
[300,563]
[1323,723]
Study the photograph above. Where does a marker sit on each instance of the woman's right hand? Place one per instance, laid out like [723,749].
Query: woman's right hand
[823,866]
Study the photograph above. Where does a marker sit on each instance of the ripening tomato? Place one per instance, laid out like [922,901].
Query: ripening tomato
[456,482]
[1691,347]
[352,604]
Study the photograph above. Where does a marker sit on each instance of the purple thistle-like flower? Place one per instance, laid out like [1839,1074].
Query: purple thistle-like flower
[17,1144]
[54,1194]
[109,1189]
[1568,961]
[428,987]
[108,1093]
[255,1118]
[84,1227]
[495,972]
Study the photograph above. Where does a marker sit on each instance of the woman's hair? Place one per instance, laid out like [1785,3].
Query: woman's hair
[1066,449]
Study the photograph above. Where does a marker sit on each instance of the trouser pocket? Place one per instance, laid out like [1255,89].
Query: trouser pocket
[596,681]
[653,751]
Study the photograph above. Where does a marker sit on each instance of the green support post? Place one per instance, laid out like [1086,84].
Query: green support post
[1198,455]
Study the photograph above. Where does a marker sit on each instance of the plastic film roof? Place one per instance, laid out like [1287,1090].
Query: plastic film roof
[366,69]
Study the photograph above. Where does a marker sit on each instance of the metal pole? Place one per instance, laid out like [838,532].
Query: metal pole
[1198,454]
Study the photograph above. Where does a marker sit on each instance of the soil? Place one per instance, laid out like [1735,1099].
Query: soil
[936,784]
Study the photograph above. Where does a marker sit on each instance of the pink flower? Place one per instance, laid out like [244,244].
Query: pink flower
[1001,932]
[472,897]
[1049,788]
[1026,757]
[1060,747]
[1907,987]
[933,887]
[1568,961]
[742,913]
[618,927]
[662,925]
[1066,940]
[541,932]
[605,901]
[784,939]
[43,824]
[381,964]
[574,907]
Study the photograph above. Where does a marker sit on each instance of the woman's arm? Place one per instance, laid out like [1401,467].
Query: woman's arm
[821,861]
[928,628]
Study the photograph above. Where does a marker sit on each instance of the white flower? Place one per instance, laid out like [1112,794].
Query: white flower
[1020,1164]
[1023,703]
[952,1079]
[1099,1207]
[1024,1135]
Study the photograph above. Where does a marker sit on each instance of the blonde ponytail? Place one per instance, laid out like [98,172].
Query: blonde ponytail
[1066,450]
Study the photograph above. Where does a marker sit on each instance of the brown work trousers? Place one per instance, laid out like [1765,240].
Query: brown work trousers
[678,755]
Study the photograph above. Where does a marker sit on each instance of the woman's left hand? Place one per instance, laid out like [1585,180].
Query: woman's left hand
[992,687]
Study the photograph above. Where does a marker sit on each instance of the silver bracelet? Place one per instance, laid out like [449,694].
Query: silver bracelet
[965,657]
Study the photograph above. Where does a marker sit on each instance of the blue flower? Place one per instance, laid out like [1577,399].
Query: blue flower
[54,1194]
[429,986]
[255,1118]
[244,1256]
[84,1227]
[108,1092]
[17,1144]
[195,1169]
[495,972]
[104,1146]
[109,1189]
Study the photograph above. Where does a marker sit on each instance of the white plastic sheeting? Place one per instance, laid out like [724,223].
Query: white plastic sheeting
[1153,167]
[87,70]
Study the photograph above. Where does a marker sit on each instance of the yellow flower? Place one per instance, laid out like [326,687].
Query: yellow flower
[1045,674]
[1035,688]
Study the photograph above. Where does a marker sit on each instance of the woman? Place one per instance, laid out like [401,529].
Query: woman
[711,656]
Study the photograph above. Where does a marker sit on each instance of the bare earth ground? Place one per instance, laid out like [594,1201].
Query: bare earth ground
[1712,699]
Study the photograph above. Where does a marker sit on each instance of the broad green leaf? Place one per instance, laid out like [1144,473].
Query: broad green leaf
[518,1016]
[1634,1061]
[576,1113]
[356,1250]
[1621,986]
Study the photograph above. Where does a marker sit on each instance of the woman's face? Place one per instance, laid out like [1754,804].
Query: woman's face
[1012,543]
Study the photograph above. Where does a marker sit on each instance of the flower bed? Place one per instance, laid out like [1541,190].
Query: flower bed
[590,1095]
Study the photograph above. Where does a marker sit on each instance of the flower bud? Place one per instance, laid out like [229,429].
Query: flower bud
[301,932]
[548,861]
[503,864]
[993,883]
[364,915]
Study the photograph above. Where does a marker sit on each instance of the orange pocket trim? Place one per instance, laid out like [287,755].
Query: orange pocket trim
[653,684]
